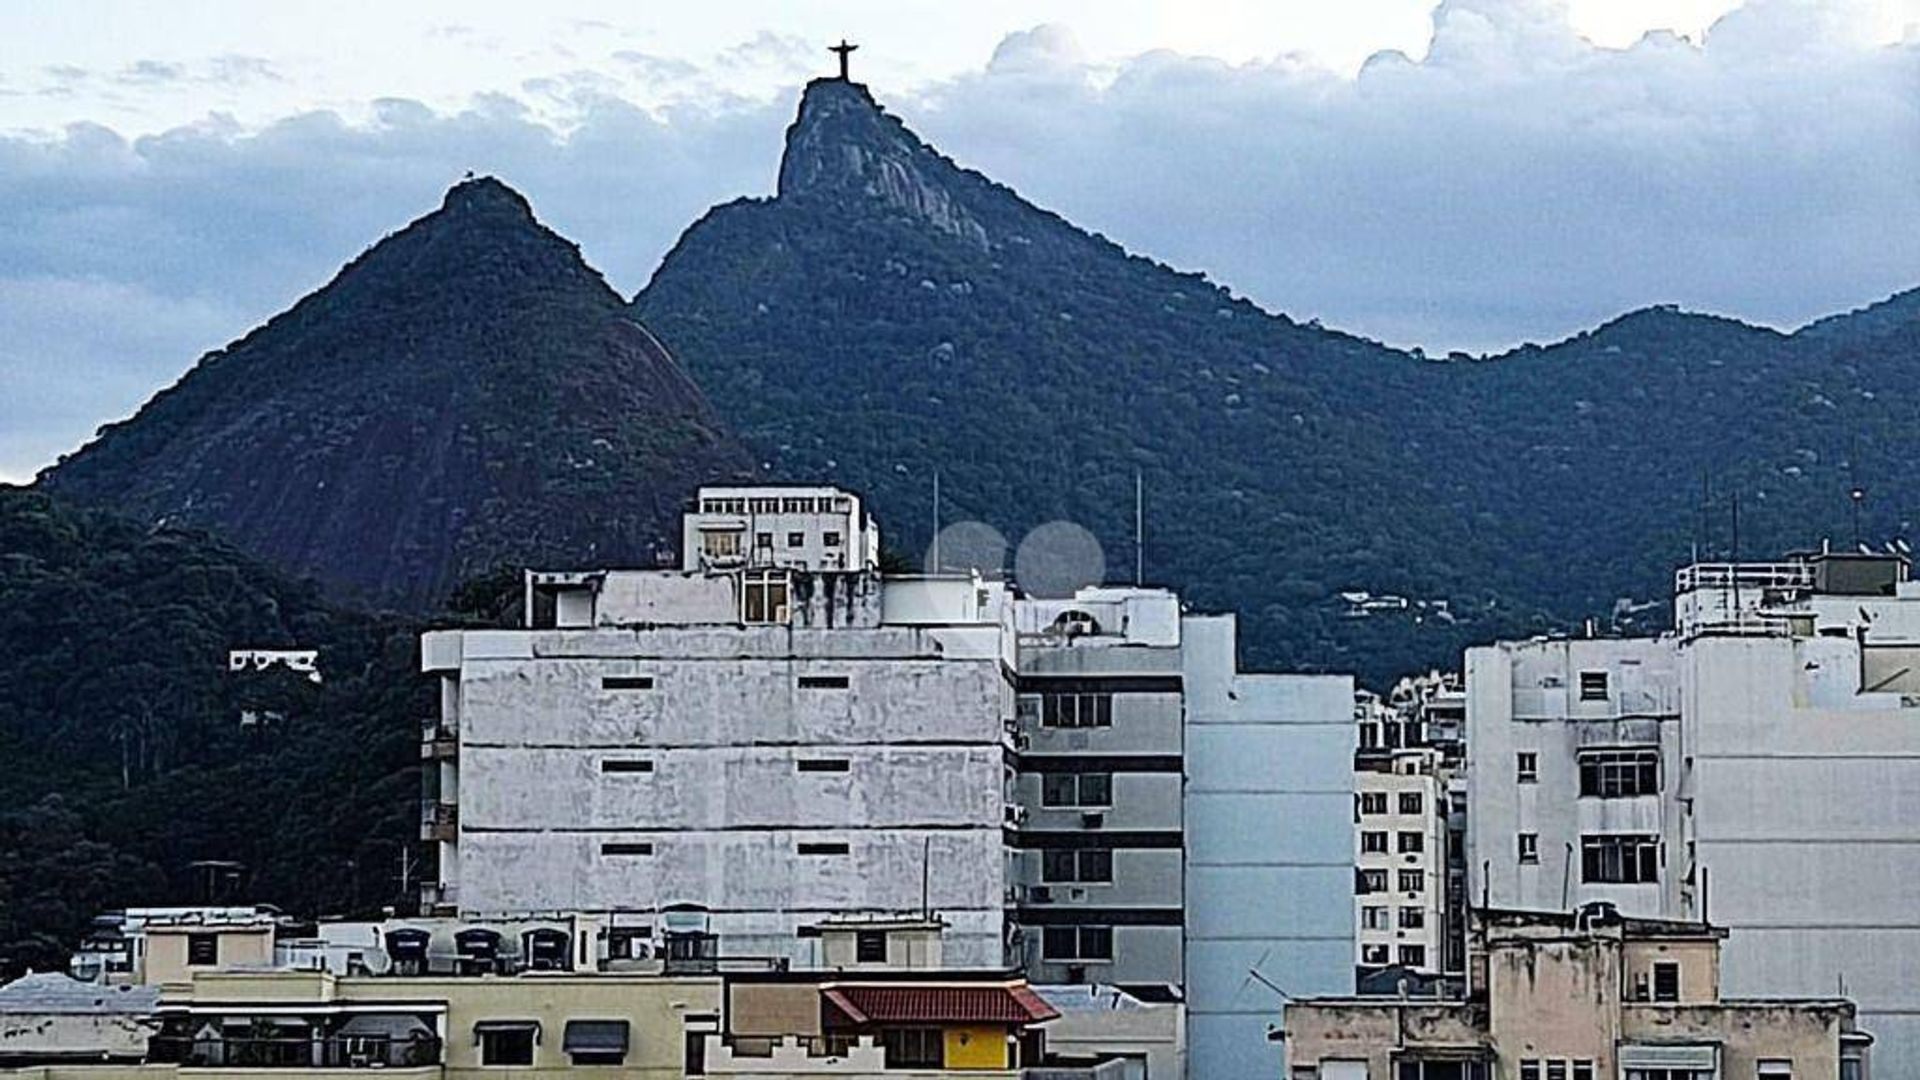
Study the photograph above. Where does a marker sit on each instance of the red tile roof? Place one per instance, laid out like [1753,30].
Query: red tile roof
[895,1004]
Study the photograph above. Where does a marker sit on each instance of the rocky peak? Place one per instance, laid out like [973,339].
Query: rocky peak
[843,144]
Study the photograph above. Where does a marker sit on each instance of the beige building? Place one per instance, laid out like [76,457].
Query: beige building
[1582,996]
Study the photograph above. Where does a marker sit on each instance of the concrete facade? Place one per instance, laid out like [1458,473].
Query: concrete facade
[1269,806]
[1399,853]
[1552,998]
[1762,762]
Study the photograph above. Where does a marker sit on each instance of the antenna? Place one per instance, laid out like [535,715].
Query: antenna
[1139,529]
[1735,575]
[1855,492]
[1566,875]
[926,880]
[937,567]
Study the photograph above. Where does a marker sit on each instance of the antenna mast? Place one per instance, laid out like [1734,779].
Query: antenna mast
[937,566]
[1139,530]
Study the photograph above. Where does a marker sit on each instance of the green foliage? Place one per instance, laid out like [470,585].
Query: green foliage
[120,726]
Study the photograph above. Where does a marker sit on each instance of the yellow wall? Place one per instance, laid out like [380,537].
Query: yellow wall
[166,960]
[976,1047]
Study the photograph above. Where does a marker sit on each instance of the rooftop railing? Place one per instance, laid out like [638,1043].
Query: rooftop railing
[1790,575]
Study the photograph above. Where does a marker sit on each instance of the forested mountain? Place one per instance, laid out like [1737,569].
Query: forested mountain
[126,760]
[888,313]
[465,394]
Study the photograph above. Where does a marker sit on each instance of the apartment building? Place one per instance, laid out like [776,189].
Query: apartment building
[1400,863]
[1584,995]
[1757,766]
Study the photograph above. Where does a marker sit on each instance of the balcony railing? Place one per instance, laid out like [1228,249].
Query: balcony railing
[439,821]
[294,1052]
[1743,575]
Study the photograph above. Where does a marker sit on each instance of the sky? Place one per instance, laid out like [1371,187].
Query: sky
[1468,175]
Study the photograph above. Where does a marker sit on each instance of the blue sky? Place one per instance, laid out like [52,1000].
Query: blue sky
[1467,176]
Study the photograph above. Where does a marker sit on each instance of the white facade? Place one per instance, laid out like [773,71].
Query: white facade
[814,528]
[1399,858]
[1761,766]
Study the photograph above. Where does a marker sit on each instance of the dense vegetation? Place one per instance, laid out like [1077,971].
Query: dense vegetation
[125,758]
[468,392]
[888,314]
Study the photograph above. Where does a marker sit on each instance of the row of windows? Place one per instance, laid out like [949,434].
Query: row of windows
[1087,866]
[1077,943]
[1375,843]
[645,765]
[1556,1069]
[1375,802]
[645,682]
[1381,955]
[511,1042]
[1076,710]
[1630,859]
[1076,789]
[1604,774]
[1367,882]
[1381,918]
[615,848]
[790,504]
[764,540]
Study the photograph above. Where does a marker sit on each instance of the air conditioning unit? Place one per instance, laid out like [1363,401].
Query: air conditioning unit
[1076,894]
[1092,820]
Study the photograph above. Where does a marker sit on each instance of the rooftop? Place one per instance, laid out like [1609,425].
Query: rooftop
[53,992]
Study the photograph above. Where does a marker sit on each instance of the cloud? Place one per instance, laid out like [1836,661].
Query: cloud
[1514,182]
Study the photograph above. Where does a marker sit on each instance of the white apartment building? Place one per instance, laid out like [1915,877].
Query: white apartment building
[1399,858]
[1760,766]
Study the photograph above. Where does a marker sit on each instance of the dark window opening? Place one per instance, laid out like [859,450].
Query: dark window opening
[627,848]
[824,848]
[626,765]
[823,682]
[915,1048]
[203,950]
[822,764]
[1070,710]
[1593,686]
[1619,774]
[870,947]
[1666,981]
[1619,860]
[626,682]
[506,1044]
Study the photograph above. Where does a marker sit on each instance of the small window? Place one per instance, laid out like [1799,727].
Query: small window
[1619,860]
[1583,1070]
[763,540]
[1411,802]
[870,947]
[1530,1069]
[1373,843]
[1593,686]
[823,682]
[1412,843]
[1413,956]
[822,764]
[1620,774]
[831,539]
[626,848]
[1529,848]
[626,765]
[1412,918]
[1071,710]
[506,1044]
[1666,981]
[1374,918]
[764,597]
[203,950]
[914,1048]
[1373,802]
[1077,943]
[1527,767]
[627,682]
[1774,1069]
[796,539]
[824,848]
[1556,1069]
[1082,866]
[1413,881]
[1069,790]
[1374,954]
[1370,881]
[763,506]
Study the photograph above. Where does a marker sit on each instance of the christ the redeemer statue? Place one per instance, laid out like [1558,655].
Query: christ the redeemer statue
[844,50]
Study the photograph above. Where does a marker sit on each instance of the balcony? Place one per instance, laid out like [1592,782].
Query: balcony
[439,821]
[296,1052]
[438,743]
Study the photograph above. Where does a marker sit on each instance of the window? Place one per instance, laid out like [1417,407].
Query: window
[1412,881]
[626,848]
[1529,848]
[821,764]
[823,848]
[1373,843]
[1076,710]
[1373,802]
[763,540]
[1619,860]
[1527,767]
[1620,774]
[763,506]
[1583,1070]
[823,682]
[1374,954]
[720,545]
[1370,881]
[203,950]
[1077,943]
[1556,1070]
[626,682]
[831,539]
[796,539]
[1593,686]
[1076,789]
[1412,843]
[764,597]
[506,1043]
[870,947]
[1412,918]
[914,1048]
[1666,981]
[1530,1069]
[596,1042]
[1374,917]
[1440,1070]
[1086,866]
[1413,956]
[626,765]
[796,506]
[1411,802]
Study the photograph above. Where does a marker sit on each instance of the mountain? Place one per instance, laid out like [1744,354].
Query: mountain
[120,725]
[465,394]
[888,313]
